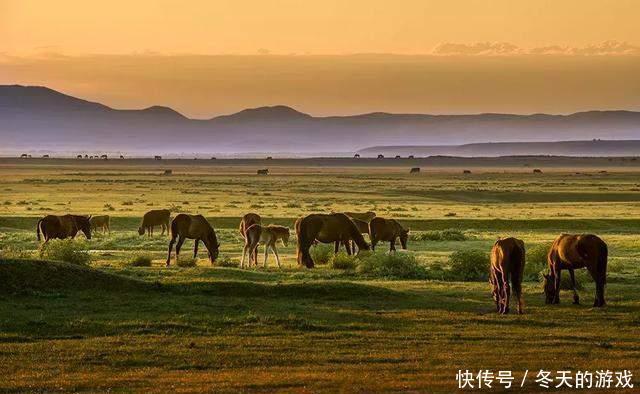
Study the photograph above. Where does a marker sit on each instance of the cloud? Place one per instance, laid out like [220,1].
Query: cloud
[606,48]
[479,48]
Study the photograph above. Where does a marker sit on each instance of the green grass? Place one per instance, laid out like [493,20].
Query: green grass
[112,326]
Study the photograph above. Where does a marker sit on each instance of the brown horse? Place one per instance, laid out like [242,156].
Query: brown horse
[268,235]
[247,221]
[350,245]
[100,222]
[193,227]
[155,217]
[571,252]
[387,230]
[326,228]
[507,265]
[62,227]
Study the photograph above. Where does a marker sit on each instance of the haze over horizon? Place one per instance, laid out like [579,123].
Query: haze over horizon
[205,59]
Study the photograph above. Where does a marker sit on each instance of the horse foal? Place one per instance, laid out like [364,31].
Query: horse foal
[267,235]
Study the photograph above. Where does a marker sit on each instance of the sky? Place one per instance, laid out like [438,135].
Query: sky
[205,58]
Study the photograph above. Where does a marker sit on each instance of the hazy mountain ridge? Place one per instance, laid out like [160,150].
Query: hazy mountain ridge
[36,118]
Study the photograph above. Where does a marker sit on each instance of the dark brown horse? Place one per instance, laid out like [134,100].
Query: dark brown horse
[155,217]
[507,265]
[571,252]
[62,227]
[387,230]
[325,228]
[350,246]
[247,221]
[193,227]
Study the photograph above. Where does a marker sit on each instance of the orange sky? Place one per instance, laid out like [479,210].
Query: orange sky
[552,55]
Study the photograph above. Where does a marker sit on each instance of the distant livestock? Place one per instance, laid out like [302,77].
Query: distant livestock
[167,172]
[263,172]
[507,265]
[62,227]
[380,156]
[121,157]
[414,170]
[104,157]
[537,171]
[23,156]
[153,218]
[100,222]
[411,156]
[356,156]
[79,157]
[157,157]
[466,172]
[193,227]
[45,156]
[269,158]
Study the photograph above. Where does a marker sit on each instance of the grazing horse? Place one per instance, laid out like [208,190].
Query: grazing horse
[263,172]
[101,222]
[267,235]
[571,252]
[326,228]
[350,246]
[155,217]
[247,221]
[62,227]
[507,265]
[366,216]
[193,227]
[387,230]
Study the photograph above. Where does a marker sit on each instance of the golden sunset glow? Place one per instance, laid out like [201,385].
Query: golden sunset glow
[212,57]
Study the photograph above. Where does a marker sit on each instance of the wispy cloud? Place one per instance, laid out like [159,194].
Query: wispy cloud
[606,48]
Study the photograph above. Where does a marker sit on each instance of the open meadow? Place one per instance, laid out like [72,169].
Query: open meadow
[110,325]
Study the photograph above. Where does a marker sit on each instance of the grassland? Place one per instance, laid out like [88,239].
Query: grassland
[154,329]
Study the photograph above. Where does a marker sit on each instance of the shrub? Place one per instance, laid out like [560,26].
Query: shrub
[444,235]
[67,250]
[469,265]
[321,253]
[186,262]
[536,261]
[396,265]
[225,261]
[140,260]
[343,261]
[15,252]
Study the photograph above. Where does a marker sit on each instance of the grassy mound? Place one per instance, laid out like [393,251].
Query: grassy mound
[18,276]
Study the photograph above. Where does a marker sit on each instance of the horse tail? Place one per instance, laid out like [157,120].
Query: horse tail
[173,229]
[38,229]
[304,243]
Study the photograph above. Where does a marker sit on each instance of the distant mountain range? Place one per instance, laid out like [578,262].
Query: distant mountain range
[38,119]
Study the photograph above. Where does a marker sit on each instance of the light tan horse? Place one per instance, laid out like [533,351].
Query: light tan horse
[267,235]
[507,265]
[100,222]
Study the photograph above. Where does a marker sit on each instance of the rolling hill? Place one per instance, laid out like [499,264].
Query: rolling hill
[41,119]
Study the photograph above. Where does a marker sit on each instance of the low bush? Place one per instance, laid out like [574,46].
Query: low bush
[395,265]
[343,261]
[67,250]
[140,260]
[15,252]
[444,235]
[536,261]
[225,261]
[469,265]
[321,253]
[186,262]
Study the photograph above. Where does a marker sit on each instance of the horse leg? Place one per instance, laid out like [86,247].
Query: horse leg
[275,251]
[599,278]
[392,245]
[179,246]
[347,246]
[507,293]
[336,247]
[266,253]
[244,252]
[373,245]
[171,243]
[576,297]
[558,275]
[195,249]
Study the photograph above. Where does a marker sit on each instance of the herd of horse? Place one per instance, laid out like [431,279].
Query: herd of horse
[568,252]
